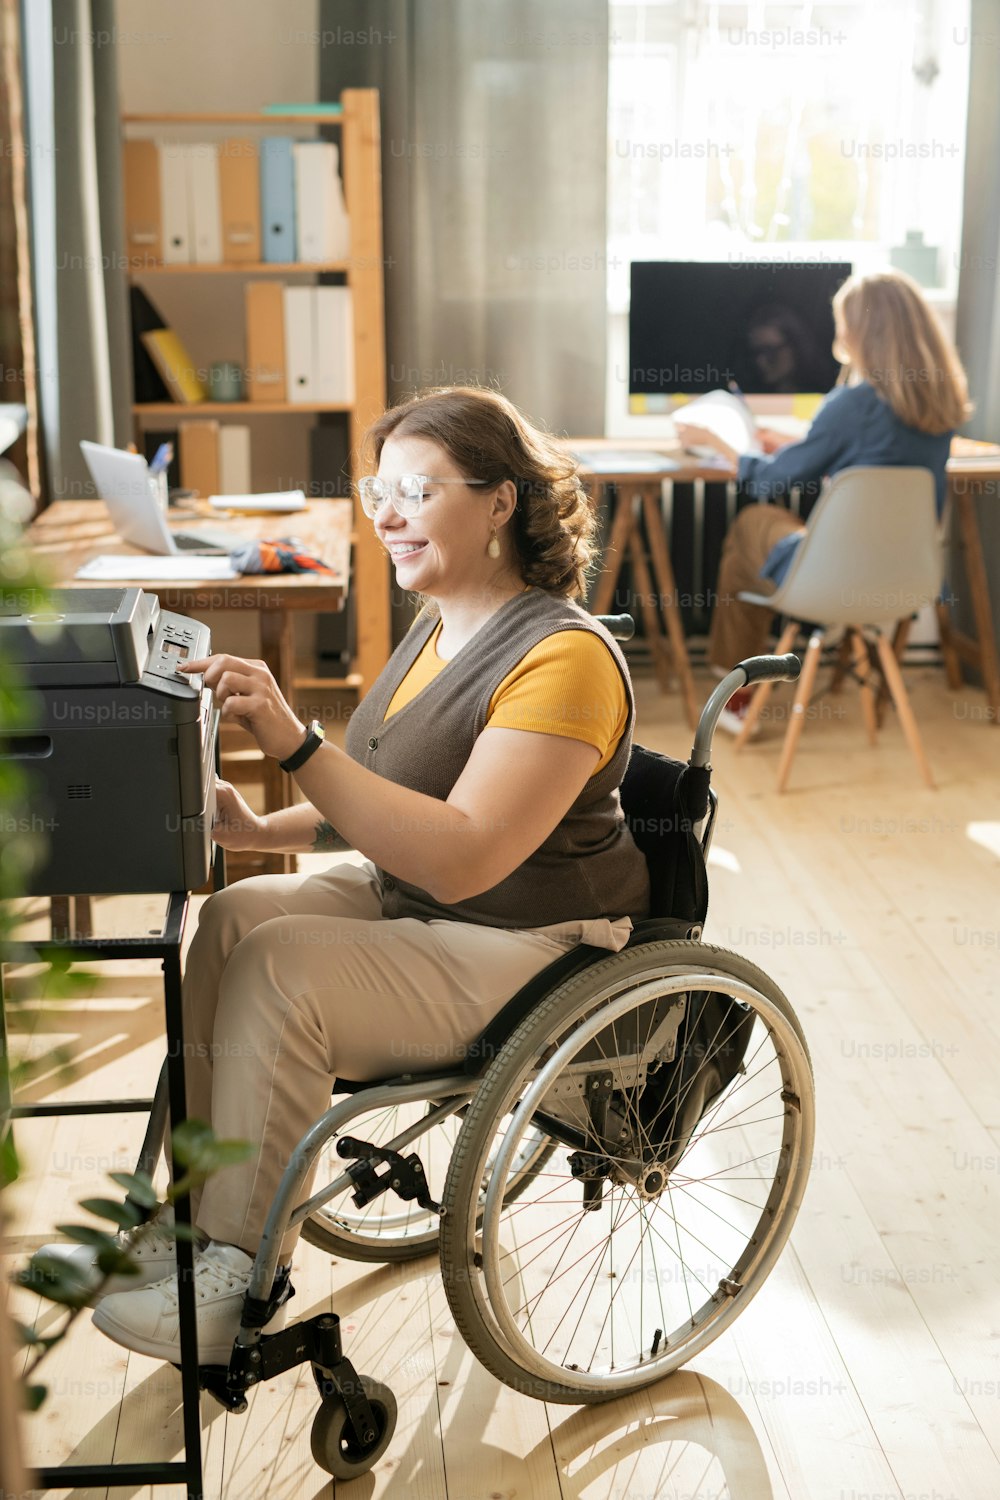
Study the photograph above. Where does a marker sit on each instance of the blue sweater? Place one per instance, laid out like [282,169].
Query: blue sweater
[853,428]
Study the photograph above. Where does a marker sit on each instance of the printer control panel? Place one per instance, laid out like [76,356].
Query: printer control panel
[175,641]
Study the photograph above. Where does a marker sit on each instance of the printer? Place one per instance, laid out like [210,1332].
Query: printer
[117,748]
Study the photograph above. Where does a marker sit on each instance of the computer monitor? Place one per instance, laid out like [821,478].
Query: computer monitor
[698,326]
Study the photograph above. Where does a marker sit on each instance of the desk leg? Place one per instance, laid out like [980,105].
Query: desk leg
[952,664]
[614,553]
[651,502]
[979,594]
[650,616]
[190,1393]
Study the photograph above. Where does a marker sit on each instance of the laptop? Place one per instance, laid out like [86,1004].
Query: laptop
[123,483]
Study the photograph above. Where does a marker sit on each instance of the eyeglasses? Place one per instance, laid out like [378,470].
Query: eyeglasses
[406,493]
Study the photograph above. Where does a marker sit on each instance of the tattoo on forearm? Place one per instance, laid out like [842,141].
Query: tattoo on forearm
[326,837]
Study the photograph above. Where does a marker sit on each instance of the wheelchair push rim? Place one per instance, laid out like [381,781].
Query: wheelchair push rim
[572,1303]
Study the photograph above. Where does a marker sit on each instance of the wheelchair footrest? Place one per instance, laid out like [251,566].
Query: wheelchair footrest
[316,1341]
[406,1176]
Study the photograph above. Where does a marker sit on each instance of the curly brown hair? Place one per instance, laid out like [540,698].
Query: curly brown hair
[554,524]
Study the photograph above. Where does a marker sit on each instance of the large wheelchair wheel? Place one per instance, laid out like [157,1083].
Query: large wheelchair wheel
[676,1081]
[388,1228]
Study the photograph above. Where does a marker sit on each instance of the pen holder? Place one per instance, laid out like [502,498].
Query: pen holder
[160,489]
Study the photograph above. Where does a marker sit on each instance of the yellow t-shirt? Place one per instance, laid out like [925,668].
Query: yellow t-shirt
[569,684]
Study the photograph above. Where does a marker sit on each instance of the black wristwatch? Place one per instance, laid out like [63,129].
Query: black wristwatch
[315,735]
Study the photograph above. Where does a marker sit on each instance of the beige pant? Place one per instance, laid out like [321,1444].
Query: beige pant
[740,630]
[292,980]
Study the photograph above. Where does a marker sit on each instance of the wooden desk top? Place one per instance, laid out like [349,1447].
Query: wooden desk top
[71,532]
[969,457]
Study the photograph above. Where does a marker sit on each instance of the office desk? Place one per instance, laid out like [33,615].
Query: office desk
[70,532]
[639,496]
[973,470]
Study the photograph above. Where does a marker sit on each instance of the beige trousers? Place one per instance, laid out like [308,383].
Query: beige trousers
[294,980]
[739,630]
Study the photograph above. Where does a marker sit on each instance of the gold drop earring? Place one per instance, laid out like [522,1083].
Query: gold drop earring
[493,546]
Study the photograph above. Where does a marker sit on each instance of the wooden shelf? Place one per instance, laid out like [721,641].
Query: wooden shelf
[313,117]
[240,268]
[247,408]
[361,156]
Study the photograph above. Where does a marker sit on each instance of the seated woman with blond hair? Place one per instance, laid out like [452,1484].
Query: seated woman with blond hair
[901,394]
[479,780]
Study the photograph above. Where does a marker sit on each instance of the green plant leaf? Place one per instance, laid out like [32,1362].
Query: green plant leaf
[84,1235]
[219,1154]
[125,1215]
[139,1187]
[54,1280]
[10,1167]
[189,1140]
[113,1260]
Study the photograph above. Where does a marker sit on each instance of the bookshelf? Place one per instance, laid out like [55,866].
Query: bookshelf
[360,160]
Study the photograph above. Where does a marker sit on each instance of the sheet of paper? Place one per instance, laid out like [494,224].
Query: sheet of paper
[278,500]
[725,414]
[157,569]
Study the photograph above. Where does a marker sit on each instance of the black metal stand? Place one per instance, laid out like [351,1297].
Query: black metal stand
[166,946]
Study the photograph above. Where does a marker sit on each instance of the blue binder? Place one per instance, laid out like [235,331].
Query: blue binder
[277,199]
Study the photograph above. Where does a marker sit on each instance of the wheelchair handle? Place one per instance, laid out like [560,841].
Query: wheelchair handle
[771,668]
[754,669]
[622,627]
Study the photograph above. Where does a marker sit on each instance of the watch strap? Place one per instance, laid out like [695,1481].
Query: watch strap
[311,743]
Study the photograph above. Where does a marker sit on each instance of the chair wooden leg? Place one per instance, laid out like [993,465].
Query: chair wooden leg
[899,639]
[894,677]
[763,690]
[862,667]
[803,692]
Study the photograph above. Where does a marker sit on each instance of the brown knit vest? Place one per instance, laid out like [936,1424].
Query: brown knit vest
[589,866]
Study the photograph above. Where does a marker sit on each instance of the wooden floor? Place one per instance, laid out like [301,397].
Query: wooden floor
[868,1366]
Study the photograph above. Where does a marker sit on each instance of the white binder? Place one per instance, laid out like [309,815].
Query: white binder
[174,211]
[321,217]
[206,210]
[300,371]
[334,323]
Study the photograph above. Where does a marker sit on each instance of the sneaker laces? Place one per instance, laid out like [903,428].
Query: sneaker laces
[149,1238]
[215,1273]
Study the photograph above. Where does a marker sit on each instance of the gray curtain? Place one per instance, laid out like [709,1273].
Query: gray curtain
[978,313]
[77,233]
[494,150]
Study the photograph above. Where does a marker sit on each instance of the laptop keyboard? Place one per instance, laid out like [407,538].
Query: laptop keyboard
[187,543]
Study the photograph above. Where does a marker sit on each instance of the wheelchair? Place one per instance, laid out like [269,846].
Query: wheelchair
[608,1179]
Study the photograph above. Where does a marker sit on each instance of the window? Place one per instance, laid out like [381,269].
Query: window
[797,131]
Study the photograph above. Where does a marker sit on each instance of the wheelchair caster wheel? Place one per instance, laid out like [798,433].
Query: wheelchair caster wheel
[336,1449]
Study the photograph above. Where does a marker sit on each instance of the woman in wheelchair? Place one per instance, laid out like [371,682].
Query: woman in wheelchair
[902,393]
[480,781]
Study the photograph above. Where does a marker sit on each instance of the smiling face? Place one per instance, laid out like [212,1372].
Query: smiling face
[442,551]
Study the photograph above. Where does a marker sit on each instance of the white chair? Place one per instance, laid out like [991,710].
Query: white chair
[872,554]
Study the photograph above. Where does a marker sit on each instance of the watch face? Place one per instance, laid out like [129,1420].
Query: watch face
[318,729]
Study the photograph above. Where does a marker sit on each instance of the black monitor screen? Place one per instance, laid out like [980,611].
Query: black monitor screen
[697,326]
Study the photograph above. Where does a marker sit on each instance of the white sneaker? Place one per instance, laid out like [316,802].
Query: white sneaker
[148,1321]
[153,1254]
